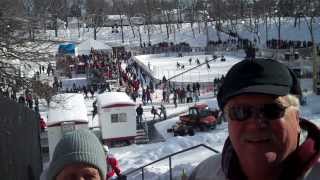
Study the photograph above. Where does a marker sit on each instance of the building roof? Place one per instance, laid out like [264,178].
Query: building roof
[85,46]
[111,99]
[67,107]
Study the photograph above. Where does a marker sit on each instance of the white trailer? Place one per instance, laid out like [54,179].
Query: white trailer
[67,112]
[117,117]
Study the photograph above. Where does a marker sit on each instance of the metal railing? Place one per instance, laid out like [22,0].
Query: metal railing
[170,160]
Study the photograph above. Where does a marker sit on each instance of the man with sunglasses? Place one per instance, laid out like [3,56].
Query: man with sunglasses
[267,138]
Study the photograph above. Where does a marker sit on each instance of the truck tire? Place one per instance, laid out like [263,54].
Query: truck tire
[182,133]
[213,126]
[219,120]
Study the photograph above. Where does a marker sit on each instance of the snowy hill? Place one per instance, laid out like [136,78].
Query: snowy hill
[197,39]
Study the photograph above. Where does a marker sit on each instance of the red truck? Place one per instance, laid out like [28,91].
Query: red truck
[199,117]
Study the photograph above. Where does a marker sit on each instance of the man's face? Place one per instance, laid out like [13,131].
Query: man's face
[258,141]
[79,172]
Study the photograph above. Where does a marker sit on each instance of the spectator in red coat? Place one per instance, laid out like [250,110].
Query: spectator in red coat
[112,166]
[42,124]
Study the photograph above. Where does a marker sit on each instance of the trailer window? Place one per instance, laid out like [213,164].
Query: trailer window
[117,118]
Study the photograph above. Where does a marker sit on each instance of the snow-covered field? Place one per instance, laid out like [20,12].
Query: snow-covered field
[162,65]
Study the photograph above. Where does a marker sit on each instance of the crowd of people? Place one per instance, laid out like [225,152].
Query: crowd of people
[286,44]
[100,63]
[238,43]
[212,45]
[26,98]
[166,47]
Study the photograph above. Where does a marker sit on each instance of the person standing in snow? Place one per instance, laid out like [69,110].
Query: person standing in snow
[139,112]
[148,95]
[95,109]
[91,90]
[155,112]
[144,97]
[267,138]
[43,124]
[29,100]
[175,97]
[163,111]
[36,103]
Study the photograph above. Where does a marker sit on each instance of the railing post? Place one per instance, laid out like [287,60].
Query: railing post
[142,174]
[170,166]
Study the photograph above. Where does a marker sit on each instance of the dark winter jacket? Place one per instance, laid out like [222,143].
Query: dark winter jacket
[139,110]
[303,164]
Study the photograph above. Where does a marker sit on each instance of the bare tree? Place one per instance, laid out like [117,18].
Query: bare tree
[96,10]
[192,16]
[16,50]
[166,8]
[120,6]
[57,10]
[309,10]
[149,9]
[129,11]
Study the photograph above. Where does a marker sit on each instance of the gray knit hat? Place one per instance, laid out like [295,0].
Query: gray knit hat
[79,146]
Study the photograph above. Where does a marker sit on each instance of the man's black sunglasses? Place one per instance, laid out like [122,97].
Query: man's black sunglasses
[269,111]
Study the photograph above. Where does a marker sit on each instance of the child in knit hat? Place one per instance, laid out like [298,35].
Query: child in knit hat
[78,155]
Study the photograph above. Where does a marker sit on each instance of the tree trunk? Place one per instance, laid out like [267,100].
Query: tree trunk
[167,28]
[148,31]
[174,33]
[207,30]
[55,27]
[140,39]
[131,26]
[167,24]
[121,26]
[192,19]
[79,34]
[218,24]
[267,29]
[193,33]
[315,56]
[279,31]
